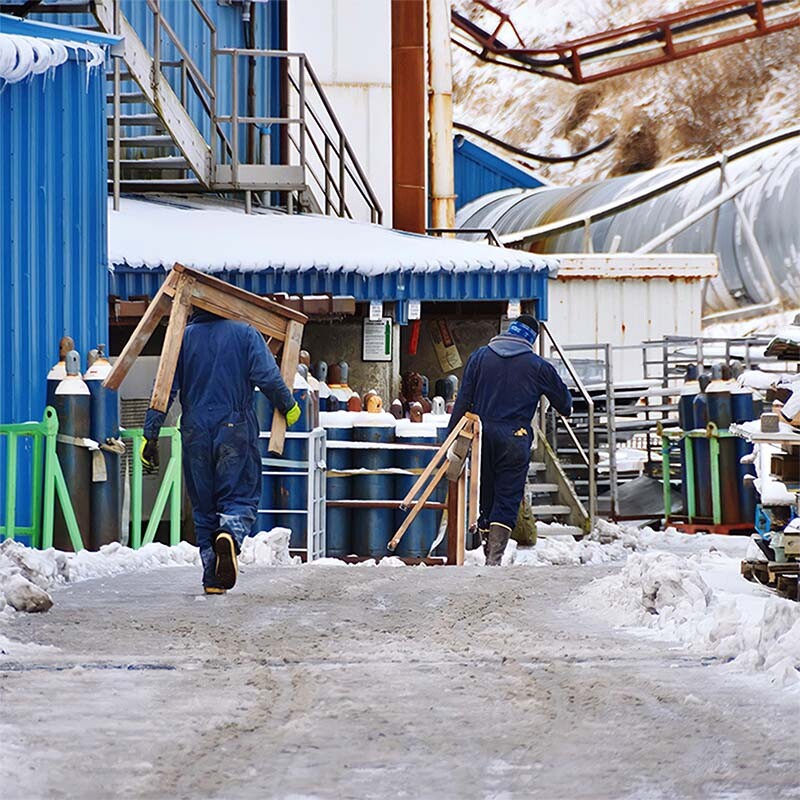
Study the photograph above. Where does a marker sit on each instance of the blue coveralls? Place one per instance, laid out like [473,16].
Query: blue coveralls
[220,364]
[502,384]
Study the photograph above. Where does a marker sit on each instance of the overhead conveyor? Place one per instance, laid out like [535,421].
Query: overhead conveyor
[644,44]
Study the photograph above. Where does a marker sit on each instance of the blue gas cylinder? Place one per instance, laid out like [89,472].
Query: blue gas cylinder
[743,411]
[689,391]
[73,404]
[702,454]
[720,412]
[59,371]
[373,527]
[338,521]
[106,501]
[417,540]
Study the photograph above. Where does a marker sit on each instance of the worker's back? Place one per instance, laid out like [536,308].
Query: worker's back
[506,380]
[214,369]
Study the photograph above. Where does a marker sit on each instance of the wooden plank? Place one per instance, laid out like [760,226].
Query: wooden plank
[452,523]
[475,476]
[461,520]
[141,335]
[289,360]
[203,280]
[432,465]
[168,363]
[217,302]
[418,506]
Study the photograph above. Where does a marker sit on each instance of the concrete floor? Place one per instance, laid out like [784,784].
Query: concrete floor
[333,682]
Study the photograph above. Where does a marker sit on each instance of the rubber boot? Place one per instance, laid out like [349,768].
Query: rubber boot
[496,543]
[227,567]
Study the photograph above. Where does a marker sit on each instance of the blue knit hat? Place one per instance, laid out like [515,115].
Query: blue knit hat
[526,327]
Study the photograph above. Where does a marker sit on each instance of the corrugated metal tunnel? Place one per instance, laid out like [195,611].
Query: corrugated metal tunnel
[771,204]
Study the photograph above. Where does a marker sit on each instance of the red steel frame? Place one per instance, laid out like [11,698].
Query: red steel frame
[666,33]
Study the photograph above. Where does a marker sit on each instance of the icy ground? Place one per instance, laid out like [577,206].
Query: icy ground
[633,664]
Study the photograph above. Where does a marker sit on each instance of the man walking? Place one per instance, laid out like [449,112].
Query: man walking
[503,382]
[220,364]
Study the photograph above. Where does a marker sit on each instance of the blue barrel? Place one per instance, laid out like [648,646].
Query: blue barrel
[417,540]
[338,521]
[702,455]
[264,412]
[106,498]
[73,405]
[373,527]
[743,411]
[720,412]
[291,488]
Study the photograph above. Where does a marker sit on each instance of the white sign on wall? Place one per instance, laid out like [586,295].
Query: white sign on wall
[415,309]
[376,342]
[514,309]
[375,310]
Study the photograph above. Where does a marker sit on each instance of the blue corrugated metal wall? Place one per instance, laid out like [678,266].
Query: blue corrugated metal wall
[194,34]
[479,172]
[53,271]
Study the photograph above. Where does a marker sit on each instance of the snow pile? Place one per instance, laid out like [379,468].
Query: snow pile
[27,575]
[189,232]
[702,602]
[268,549]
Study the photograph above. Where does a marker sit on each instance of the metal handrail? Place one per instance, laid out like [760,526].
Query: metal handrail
[589,458]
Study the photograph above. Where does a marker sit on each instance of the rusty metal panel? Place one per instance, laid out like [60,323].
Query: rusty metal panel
[409,152]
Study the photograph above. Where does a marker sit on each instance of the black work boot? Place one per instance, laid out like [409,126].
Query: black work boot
[496,543]
[227,568]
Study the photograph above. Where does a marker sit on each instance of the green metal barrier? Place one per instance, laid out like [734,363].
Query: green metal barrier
[47,483]
[713,434]
[170,489]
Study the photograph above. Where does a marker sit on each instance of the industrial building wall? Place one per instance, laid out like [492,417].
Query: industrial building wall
[350,48]
[53,274]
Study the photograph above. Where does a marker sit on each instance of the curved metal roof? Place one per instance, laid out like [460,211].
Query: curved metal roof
[770,204]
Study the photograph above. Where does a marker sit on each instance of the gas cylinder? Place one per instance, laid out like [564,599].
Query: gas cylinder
[689,391]
[104,429]
[419,537]
[743,411]
[373,527]
[702,456]
[338,521]
[73,404]
[721,414]
[58,371]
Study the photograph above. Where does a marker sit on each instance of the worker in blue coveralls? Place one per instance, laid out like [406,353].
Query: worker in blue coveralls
[220,364]
[503,383]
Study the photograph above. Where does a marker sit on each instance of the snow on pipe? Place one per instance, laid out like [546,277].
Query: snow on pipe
[755,269]
[24,56]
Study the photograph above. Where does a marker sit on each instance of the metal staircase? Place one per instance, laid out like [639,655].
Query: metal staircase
[177,128]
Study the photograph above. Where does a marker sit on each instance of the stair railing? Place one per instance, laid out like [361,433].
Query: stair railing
[588,454]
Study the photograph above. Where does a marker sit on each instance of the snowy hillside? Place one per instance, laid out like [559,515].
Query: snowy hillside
[687,109]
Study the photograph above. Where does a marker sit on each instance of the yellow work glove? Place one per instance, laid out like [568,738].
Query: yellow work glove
[292,415]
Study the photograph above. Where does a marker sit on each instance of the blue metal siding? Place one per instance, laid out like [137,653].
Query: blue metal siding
[484,284]
[479,172]
[52,228]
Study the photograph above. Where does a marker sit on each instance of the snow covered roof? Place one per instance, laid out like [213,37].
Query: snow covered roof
[217,238]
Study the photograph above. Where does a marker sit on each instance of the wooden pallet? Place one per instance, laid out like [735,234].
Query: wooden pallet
[185,289]
[781,576]
[736,528]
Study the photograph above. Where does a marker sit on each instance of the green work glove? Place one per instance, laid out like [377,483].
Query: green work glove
[292,415]
[149,455]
